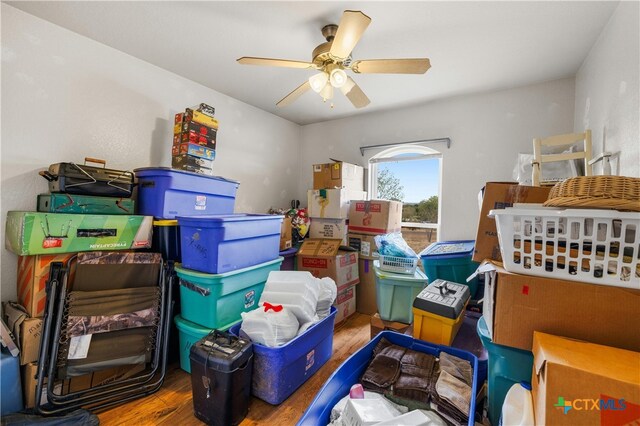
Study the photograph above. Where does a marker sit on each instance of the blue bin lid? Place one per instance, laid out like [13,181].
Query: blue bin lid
[289,252]
[449,249]
[168,171]
[211,220]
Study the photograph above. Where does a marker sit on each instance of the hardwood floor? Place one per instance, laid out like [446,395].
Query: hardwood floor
[172,404]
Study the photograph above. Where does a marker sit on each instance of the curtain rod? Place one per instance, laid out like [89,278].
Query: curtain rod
[438,140]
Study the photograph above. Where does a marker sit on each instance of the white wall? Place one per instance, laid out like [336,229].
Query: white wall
[607,90]
[65,97]
[487,132]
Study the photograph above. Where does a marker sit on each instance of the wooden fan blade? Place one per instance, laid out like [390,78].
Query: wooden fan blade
[249,60]
[294,95]
[356,95]
[391,66]
[350,29]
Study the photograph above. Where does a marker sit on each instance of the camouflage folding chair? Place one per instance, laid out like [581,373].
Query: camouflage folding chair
[105,333]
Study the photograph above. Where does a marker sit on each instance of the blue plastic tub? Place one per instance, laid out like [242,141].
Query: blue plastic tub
[10,383]
[451,261]
[216,301]
[350,372]
[507,367]
[289,263]
[188,334]
[221,243]
[395,293]
[278,372]
[166,193]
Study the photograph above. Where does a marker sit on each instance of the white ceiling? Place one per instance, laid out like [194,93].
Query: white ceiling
[473,46]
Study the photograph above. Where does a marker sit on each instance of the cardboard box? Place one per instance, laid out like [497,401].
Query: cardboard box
[498,195]
[194,150]
[378,325]
[517,305]
[182,160]
[33,274]
[364,244]
[194,169]
[195,116]
[345,304]
[26,330]
[192,136]
[331,203]
[325,258]
[581,383]
[338,175]
[201,129]
[285,234]
[335,229]
[375,217]
[366,303]
[75,384]
[31,233]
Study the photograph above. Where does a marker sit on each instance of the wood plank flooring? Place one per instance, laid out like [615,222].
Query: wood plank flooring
[172,404]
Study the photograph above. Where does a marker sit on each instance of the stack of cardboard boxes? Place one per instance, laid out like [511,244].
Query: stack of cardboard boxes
[366,220]
[550,320]
[325,253]
[194,140]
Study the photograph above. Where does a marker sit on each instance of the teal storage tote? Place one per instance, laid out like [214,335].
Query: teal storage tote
[188,334]
[507,366]
[216,301]
[221,243]
[395,293]
[451,261]
[278,372]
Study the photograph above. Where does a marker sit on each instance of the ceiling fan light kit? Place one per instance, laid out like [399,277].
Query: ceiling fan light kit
[333,57]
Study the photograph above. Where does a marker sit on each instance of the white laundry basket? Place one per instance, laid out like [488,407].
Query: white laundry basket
[588,245]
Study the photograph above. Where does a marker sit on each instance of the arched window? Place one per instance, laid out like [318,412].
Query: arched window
[417,171]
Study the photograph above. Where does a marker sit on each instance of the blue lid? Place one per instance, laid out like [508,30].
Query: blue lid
[449,249]
[167,171]
[218,219]
[526,385]
[289,252]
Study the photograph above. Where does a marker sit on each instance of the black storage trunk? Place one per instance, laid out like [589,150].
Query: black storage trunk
[221,368]
[82,179]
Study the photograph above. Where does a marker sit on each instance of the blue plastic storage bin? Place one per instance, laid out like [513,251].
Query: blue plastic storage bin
[216,301]
[507,366]
[350,372]
[278,372]
[166,193]
[395,293]
[289,263]
[221,243]
[10,384]
[188,334]
[451,261]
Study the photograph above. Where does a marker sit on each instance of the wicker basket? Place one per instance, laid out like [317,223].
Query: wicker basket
[601,192]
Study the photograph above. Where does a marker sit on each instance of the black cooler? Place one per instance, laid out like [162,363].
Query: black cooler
[221,367]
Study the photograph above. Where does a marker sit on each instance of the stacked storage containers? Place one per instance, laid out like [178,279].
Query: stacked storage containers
[194,140]
[89,208]
[226,257]
[562,268]
[335,185]
[366,220]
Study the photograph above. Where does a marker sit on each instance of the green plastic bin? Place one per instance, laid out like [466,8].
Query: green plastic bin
[451,261]
[507,366]
[217,300]
[395,293]
[188,334]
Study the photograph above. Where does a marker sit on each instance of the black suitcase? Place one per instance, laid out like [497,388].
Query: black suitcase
[81,179]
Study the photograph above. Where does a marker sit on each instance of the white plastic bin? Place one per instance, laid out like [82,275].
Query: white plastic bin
[587,245]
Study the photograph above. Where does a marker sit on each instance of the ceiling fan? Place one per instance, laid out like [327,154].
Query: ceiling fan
[333,58]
